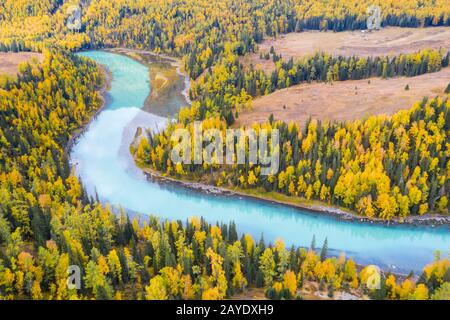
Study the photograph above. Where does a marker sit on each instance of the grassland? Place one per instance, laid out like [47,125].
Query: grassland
[388,41]
[10,61]
[345,100]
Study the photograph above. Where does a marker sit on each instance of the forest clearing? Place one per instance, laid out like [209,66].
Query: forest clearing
[388,41]
[10,61]
[345,100]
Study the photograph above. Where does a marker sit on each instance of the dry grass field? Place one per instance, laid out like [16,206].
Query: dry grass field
[10,61]
[345,100]
[391,41]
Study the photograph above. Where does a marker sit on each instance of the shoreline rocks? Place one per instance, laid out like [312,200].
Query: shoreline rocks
[427,220]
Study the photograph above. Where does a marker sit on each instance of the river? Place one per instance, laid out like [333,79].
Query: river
[102,160]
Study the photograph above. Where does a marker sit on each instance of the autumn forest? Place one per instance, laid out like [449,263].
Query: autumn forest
[386,168]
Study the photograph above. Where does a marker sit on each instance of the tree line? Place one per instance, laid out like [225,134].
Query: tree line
[198,30]
[210,36]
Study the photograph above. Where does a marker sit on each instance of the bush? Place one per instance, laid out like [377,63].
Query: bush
[271,294]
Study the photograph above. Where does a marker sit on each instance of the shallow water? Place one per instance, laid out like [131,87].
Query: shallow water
[102,160]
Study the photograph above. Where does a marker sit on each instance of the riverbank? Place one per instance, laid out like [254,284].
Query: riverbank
[104,97]
[296,202]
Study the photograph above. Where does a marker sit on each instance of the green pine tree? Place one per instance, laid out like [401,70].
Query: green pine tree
[324,251]
[313,243]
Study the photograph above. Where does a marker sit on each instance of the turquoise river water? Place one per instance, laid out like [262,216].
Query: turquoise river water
[102,160]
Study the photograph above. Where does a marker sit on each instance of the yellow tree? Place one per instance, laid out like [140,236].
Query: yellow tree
[290,282]
[156,290]
[114,265]
[217,273]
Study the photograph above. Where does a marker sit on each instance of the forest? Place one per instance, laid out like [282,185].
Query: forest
[381,167]
[229,88]
[198,30]
[209,36]
[48,223]
[384,167]
[162,260]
